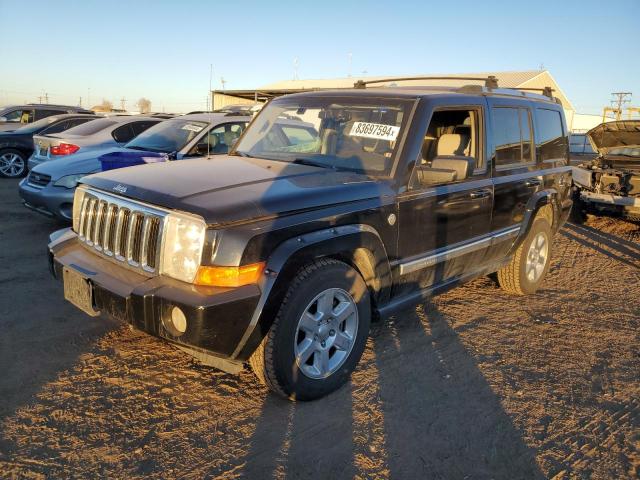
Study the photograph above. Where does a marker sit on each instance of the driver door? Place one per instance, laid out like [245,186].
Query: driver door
[445,214]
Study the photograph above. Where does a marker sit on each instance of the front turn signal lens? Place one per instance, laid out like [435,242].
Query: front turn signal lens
[229,276]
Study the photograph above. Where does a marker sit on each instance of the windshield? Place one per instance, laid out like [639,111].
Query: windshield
[167,137]
[353,134]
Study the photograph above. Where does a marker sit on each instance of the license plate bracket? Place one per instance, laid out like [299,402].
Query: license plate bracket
[78,290]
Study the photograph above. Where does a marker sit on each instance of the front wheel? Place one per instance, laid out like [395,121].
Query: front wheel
[13,163]
[530,263]
[319,333]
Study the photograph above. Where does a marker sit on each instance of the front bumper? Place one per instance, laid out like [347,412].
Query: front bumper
[49,200]
[610,202]
[217,318]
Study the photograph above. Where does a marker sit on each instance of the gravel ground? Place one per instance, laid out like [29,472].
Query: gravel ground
[473,384]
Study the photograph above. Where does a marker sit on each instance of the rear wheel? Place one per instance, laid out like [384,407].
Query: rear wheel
[530,263]
[319,333]
[13,163]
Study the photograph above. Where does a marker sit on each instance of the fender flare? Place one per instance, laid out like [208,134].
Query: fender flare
[548,196]
[290,254]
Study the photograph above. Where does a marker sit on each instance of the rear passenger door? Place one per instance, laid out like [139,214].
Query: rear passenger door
[445,216]
[516,175]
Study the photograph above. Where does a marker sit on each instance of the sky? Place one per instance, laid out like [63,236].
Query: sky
[163,50]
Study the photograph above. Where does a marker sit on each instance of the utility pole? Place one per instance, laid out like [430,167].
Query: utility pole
[223,82]
[46,98]
[122,100]
[622,98]
[80,102]
[295,68]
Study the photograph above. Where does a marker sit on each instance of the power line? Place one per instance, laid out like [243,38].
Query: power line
[622,98]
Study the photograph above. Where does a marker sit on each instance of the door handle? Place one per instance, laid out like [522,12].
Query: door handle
[480,194]
[533,182]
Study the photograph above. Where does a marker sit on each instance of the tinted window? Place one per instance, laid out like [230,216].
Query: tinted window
[552,143]
[139,127]
[91,127]
[123,134]
[506,135]
[63,125]
[47,113]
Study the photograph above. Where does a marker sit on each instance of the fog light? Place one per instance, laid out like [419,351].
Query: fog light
[176,323]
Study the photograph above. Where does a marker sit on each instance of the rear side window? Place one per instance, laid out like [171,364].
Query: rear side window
[139,127]
[47,113]
[123,134]
[552,143]
[64,125]
[92,127]
[512,136]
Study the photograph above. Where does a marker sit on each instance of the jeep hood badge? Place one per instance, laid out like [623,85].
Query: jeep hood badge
[120,188]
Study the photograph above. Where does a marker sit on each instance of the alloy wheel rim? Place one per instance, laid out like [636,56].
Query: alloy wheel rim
[326,333]
[11,164]
[537,257]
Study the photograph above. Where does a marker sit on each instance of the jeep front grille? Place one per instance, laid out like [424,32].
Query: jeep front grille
[122,230]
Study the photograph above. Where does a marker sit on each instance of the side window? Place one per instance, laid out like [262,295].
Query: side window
[139,127]
[451,150]
[512,136]
[219,140]
[552,143]
[123,134]
[64,125]
[13,116]
[47,113]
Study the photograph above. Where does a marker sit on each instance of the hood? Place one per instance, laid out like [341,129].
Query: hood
[228,189]
[623,133]
[82,162]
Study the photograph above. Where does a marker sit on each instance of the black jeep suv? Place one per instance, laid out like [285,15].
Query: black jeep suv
[334,207]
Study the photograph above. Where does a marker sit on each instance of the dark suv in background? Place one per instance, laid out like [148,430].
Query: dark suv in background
[12,117]
[281,253]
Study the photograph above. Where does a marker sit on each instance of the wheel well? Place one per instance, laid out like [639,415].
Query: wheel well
[546,212]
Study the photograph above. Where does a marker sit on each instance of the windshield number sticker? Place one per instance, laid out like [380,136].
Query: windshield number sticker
[192,128]
[374,130]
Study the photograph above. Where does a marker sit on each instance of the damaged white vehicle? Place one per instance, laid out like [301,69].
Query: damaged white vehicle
[610,183]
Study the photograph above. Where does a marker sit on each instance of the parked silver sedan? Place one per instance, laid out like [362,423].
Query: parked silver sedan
[99,134]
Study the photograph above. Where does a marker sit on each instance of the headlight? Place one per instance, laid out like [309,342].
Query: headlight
[182,246]
[69,181]
[77,205]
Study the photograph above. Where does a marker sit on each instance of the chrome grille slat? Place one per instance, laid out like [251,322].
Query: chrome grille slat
[121,230]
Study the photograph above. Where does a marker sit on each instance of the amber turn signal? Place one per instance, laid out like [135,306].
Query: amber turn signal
[229,276]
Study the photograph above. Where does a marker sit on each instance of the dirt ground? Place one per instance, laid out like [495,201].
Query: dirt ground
[473,384]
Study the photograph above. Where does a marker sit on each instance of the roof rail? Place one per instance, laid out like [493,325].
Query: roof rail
[546,91]
[490,82]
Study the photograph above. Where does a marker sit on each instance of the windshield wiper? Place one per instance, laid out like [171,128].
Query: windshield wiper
[311,163]
[242,154]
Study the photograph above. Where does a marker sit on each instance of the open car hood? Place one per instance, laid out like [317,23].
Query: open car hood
[623,133]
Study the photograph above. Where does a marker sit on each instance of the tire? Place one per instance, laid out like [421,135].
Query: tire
[578,213]
[13,163]
[290,358]
[518,277]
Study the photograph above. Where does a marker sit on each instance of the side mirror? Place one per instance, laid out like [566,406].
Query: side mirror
[202,148]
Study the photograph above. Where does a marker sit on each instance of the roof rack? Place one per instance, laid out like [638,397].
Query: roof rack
[490,82]
[546,91]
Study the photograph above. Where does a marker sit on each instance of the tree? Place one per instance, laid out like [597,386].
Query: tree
[144,105]
[106,105]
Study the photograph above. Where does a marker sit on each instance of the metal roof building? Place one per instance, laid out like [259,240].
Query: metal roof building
[537,79]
